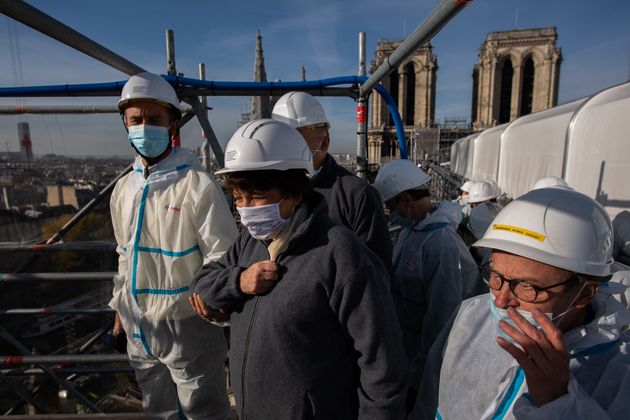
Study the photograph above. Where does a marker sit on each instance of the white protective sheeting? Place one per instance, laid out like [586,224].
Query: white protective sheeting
[598,151]
[470,153]
[532,147]
[459,155]
[486,159]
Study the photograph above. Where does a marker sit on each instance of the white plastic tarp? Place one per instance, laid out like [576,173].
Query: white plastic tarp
[598,153]
[486,160]
[532,147]
[470,155]
[460,161]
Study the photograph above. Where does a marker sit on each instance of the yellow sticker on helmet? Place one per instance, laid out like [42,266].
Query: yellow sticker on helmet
[520,231]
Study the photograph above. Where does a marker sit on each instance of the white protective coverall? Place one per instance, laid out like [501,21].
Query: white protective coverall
[166,227]
[434,272]
[481,216]
[479,380]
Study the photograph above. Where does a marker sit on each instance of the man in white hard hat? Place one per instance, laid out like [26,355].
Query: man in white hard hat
[549,340]
[313,329]
[351,201]
[462,200]
[169,217]
[484,208]
[433,269]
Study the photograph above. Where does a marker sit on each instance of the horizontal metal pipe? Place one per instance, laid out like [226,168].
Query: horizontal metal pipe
[66,371]
[82,246]
[439,17]
[80,109]
[106,416]
[84,276]
[49,310]
[275,91]
[62,359]
[40,21]
[185,87]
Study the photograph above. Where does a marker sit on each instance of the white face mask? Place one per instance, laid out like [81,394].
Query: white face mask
[262,222]
[499,314]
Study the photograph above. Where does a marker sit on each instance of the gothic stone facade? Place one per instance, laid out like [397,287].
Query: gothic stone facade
[412,86]
[517,74]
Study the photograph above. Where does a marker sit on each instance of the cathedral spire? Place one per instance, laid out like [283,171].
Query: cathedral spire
[260,104]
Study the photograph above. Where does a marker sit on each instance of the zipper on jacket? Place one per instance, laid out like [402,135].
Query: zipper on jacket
[250,327]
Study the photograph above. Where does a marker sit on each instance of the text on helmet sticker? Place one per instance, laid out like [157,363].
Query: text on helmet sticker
[520,231]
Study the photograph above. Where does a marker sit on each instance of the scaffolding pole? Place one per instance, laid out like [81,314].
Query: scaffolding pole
[83,276]
[59,369]
[62,359]
[438,18]
[79,246]
[62,109]
[60,381]
[38,20]
[50,310]
[362,116]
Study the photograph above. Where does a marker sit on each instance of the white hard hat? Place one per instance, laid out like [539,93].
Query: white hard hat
[148,86]
[495,186]
[466,186]
[266,144]
[550,182]
[398,176]
[481,191]
[299,109]
[555,226]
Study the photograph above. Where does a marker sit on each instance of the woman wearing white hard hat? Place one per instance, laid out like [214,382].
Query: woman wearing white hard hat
[434,270]
[549,340]
[462,200]
[313,328]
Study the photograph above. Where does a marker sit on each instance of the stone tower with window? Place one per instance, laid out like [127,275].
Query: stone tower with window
[412,87]
[517,74]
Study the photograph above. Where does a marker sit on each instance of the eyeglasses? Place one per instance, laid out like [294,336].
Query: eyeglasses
[522,289]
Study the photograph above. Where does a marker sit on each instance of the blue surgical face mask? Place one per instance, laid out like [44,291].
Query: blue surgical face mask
[149,140]
[402,221]
[498,314]
[262,222]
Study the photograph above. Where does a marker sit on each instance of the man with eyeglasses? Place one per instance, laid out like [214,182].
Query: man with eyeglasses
[549,340]
[351,201]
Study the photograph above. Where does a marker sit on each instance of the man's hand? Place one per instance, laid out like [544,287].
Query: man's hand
[206,312]
[259,277]
[543,357]
[118,326]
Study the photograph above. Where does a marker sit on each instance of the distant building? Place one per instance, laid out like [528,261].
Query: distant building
[517,74]
[60,195]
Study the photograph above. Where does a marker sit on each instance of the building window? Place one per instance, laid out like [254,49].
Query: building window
[505,98]
[410,94]
[527,90]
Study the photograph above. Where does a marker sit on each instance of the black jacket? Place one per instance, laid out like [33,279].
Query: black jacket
[353,203]
[324,342]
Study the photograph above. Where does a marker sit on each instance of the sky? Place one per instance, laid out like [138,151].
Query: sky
[320,35]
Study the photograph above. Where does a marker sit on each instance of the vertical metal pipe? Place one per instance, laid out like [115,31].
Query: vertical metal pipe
[362,116]
[38,20]
[205,148]
[171,69]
